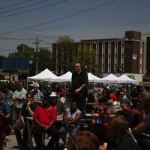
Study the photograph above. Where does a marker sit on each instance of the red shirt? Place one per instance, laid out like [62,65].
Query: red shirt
[44,116]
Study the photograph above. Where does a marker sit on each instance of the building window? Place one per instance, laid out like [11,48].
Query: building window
[122,45]
[115,55]
[116,45]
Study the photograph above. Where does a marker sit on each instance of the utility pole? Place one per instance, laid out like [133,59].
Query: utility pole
[36,51]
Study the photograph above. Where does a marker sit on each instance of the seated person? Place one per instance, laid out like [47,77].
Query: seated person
[132,114]
[71,121]
[26,111]
[84,140]
[44,118]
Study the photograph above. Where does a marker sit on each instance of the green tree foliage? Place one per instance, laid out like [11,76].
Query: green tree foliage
[44,59]
[24,51]
[68,54]
[87,57]
[66,49]
[119,69]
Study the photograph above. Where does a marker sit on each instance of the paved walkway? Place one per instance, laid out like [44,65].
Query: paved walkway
[11,143]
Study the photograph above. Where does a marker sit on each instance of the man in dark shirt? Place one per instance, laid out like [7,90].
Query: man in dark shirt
[26,111]
[79,87]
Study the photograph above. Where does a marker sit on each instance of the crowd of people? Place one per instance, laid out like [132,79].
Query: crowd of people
[120,117]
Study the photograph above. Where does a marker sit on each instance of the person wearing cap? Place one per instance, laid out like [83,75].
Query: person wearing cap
[36,92]
[19,97]
[44,118]
[132,114]
[59,105]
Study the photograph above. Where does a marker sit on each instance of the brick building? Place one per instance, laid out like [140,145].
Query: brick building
[126,52]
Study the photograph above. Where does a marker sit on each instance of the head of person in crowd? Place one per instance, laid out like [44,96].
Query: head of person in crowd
[53,98]
[117,126]
[126,105]
[78,67]
[121,95]
[36,86]
[46,101]
[105,96]
[105,92]
[83,140]
[20,85]
[73,106]
[143,91]
[30,98]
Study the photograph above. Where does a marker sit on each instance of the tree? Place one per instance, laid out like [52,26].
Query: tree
[44,59]
[65,51]
[119,69]
[24,51]
[68,54]
[87,57]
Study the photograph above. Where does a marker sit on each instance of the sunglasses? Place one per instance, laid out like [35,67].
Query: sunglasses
[29,97]
[76,66]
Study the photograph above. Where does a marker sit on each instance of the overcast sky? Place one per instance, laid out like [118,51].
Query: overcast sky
[21,21]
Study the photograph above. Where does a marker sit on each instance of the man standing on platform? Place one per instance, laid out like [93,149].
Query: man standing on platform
[80,87]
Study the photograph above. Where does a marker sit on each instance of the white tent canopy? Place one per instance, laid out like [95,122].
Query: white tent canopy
[93,78]
[125,79]
[65,77]
[45,75]
[110,79]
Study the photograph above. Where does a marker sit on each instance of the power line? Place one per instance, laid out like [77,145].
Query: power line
[24,6]
[55,20]
[32,9]
[15,4]
[16,38]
